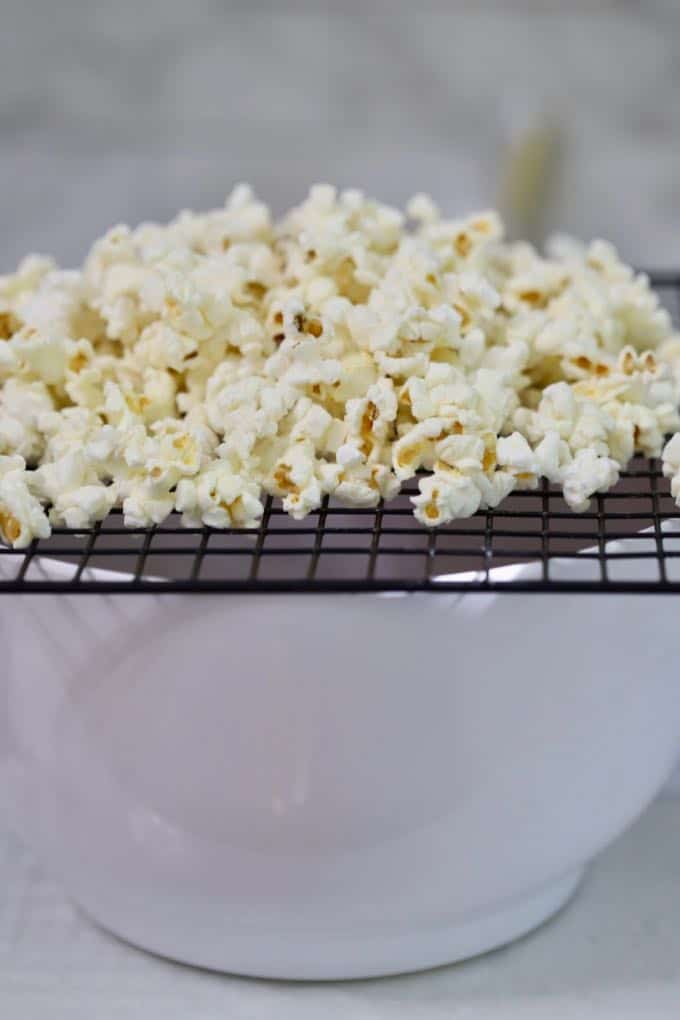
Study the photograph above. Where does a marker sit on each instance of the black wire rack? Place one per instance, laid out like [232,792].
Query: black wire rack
[627,542]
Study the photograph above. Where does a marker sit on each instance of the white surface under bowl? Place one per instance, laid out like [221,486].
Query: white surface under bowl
[332,786]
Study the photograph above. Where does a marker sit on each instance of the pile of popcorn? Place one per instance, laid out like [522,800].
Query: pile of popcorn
[198,366]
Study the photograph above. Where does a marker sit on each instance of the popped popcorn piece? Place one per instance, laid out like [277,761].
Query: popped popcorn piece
[21,405]
[366,484]
[445,496]
[587,474]
[295,479]
[56,478]
[84,506]
[553,456]
[416,448]
[220,498]
[514,454]
[146,504]
[22,517]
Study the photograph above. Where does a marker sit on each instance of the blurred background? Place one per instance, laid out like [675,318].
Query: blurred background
[565,113]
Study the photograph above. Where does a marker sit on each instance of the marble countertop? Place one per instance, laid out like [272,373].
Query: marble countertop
[614,952]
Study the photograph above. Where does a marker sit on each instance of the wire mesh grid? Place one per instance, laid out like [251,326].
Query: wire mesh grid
[628,541]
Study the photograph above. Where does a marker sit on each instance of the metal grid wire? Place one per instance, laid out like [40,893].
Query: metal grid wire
[628,541]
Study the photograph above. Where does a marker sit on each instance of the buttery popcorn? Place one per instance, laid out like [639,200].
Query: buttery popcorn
[202,365]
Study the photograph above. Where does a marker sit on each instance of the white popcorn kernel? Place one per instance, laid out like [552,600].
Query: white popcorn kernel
[515,453]
[365,484]
[82,507]
[21,405]
[369,418]
[220,498]
[71,486]
[415,449]
[294,479]
[445,497]
[422,208]
[144,506]
[587,474]
[22,517]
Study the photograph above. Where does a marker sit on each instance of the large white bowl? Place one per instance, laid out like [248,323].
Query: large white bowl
[331,786]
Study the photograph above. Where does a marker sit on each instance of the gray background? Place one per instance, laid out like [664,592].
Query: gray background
[131,110]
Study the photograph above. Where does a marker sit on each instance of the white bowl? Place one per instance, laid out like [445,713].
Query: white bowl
[332,786]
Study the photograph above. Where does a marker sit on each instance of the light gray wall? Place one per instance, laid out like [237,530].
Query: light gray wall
[130,110]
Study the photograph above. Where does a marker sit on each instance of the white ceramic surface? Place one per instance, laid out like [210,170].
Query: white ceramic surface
[327,787]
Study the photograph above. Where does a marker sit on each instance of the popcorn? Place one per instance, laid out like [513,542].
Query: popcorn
[466,453]
[201,365]
[515,455]
[553,456]
[56,478]
[586,474]
[218,497]
[82,507]
[295,479]
[416,448]
[147,504]
[421,207]
[369,418]
[21,405]
[445,496]
[22,517]
[365,485]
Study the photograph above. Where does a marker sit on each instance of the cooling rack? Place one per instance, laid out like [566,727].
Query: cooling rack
[627,542]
